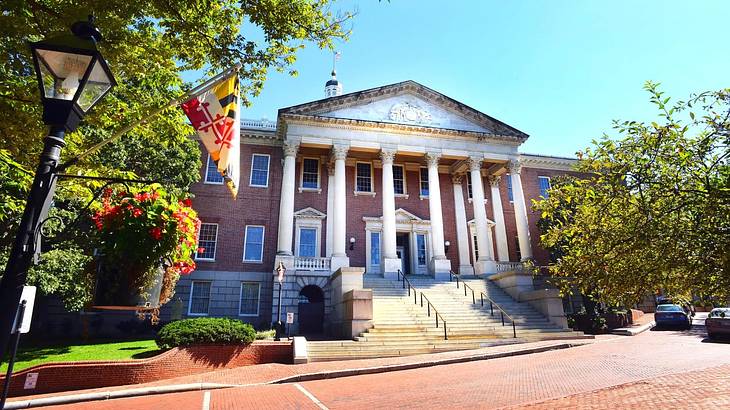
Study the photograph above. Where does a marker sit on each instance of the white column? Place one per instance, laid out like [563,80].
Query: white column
[286,204]
[339,257]
[462,234]
[483,265]
[390,262]
[518,197]
[440,266]
[500,229]
[330,209]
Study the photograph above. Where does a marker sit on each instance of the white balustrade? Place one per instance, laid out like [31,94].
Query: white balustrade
[311,263]
[260,124]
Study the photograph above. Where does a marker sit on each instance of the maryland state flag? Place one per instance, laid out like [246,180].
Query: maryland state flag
[215,115]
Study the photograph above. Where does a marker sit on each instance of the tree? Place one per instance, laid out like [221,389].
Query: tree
[654,213]
[149,44]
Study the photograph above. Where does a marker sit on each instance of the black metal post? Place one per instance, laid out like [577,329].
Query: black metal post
[21,255]
[6,388]
[278,318]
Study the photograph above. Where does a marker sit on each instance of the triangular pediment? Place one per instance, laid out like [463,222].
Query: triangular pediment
[401,216]
[309,213]
[408,104]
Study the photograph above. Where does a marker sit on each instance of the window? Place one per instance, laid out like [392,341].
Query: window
[308,242]
[509,187]
[421,248]
[475,246]
[468,185]
[544,183]
[249,303]
[207,240]
[253,244]
[364,178]
[212,176]
[260,170]
[199,298]
[310,173]
[517,248]
[375,248]
[399,185]
[424,182]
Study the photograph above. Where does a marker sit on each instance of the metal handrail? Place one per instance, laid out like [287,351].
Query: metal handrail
[429,305]
[483,296]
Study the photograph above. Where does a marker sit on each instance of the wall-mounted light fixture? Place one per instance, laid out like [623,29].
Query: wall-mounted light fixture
[446,246]
[352,242]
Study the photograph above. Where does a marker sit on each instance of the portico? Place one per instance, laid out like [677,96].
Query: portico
[391,156]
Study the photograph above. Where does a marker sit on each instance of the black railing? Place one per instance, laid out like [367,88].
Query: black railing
[482,297]
[429,305]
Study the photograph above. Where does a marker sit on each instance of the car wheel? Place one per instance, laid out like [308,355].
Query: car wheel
[710,336]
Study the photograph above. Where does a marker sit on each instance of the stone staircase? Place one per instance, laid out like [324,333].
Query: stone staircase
[402,328]
[467,318]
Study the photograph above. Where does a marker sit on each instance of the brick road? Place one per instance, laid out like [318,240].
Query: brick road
[675,369]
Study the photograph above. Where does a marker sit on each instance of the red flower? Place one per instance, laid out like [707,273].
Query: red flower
[201,250]
[156,233]
[187,202]
[137,212]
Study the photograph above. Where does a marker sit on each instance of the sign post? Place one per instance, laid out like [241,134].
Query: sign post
[23,316]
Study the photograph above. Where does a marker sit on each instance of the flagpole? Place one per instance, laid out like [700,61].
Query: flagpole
[222,76]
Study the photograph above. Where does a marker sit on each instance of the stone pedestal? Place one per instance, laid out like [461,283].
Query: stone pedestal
[337,262]
[514,282]
[485,267]
[358,311]
[349,307]
[466,270]
[390,268]
[440,268]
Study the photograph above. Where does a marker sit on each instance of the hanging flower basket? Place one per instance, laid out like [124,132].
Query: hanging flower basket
[146,240]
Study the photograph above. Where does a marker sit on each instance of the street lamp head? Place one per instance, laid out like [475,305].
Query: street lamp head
[72,74]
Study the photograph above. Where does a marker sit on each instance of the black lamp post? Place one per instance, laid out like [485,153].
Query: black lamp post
[72,77]
[279,326]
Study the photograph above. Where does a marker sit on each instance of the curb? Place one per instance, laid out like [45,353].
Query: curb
[114,394]
[628,331]
[177,388]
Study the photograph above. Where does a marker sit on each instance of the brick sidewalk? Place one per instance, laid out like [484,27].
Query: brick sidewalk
[704,389]
[267,373]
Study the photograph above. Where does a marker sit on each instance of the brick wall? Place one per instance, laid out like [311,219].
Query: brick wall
[185,361]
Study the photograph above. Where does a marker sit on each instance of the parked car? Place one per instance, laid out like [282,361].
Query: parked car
[672,315]
[718,322]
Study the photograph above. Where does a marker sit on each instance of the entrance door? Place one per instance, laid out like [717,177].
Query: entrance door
[403,250]
[311,310]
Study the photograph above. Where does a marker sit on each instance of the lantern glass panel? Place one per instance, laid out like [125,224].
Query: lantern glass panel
[98,84]
[67,71]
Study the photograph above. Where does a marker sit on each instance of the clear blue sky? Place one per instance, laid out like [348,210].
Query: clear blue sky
[557,70]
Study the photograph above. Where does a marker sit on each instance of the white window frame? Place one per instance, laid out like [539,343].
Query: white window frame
[426,252]
[268,171]
[198,243]
[421,181]
[469,187]
[373,267]
[372,179]
[318,188]
[550,184]
[317,236]
[405,185]
[207,169]
[190,301]
[510,191]
[240,301]
[263,242]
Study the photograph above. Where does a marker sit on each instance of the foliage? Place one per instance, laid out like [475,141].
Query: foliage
[138,229]
[653,213]
[592,321]
[73,352]
[205,330]
[265,334]
[150,45]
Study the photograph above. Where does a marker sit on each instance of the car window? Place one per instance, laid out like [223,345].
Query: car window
[722,313]
[668,308]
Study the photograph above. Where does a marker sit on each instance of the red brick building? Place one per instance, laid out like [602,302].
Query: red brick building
[398,177]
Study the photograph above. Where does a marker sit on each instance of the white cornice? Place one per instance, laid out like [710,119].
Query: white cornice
[548,162]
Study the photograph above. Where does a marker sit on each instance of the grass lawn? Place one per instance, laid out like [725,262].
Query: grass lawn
[31,356]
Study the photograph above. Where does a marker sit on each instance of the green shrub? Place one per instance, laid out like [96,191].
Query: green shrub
[265,334]
[203,331]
